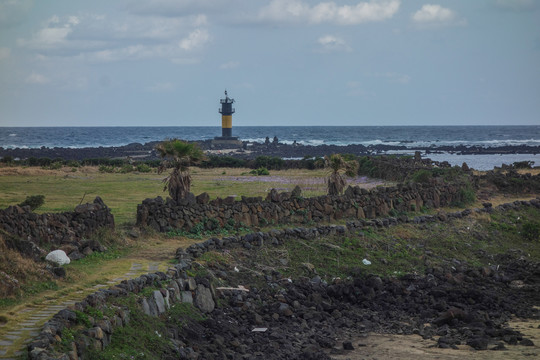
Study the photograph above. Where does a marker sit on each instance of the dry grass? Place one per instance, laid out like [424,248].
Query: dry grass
[17,271]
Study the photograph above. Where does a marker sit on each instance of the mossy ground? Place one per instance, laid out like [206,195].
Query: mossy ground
[406,248]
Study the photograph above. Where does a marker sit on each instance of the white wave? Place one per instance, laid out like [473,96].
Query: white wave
[12,134]
[258,140]
[11,146]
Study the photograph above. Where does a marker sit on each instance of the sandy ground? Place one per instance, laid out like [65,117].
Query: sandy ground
[413,347]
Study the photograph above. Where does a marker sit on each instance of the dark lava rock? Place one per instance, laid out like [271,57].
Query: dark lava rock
[59,271]
[478,343]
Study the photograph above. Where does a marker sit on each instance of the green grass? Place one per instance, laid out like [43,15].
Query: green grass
[405,248]
[122,192]
[145,337]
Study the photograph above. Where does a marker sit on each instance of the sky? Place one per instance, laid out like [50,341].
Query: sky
[285,62]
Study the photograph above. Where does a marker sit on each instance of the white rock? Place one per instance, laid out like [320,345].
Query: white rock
[58,257]
[366,262]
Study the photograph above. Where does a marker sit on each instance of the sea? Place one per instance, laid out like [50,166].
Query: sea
[408,136]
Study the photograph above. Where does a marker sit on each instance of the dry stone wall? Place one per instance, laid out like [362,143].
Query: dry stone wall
[54,230]
[168,289]
[176,287]
[291,207]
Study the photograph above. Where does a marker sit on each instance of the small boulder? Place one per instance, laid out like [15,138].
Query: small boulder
[58,257]
[203,299]
[59,271]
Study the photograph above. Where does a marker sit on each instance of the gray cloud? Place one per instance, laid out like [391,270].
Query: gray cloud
[516,5]
[178,8]
[95,37]
[297,11]
[13,12]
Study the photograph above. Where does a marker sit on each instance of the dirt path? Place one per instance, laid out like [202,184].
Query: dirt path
[29,317]
[413,347]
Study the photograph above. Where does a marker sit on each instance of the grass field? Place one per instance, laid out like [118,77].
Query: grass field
[67,187]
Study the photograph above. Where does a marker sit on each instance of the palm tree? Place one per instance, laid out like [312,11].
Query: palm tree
[339,167]
[178,155]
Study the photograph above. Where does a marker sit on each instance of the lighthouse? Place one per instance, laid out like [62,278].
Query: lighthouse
[226,117]
[226,139]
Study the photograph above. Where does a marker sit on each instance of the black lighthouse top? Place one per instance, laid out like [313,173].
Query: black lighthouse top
[226,105]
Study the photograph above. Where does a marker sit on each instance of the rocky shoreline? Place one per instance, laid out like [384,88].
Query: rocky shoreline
[251,150]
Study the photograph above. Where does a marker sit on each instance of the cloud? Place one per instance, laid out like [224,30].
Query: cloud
[13,12]
[333,43]
[36,78]
[515,5]
[177,8]
[161,87]
[229,65]
[54,34]
[297,11]
[433,13]
[4,53]
[196,39]
[436,15]
[96,38]
[393,77]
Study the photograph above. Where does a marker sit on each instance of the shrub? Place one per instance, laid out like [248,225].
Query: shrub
[126,168]
[57,165]
[106,169]
[531,231]
[466,196]
[269,162]
[214,161]
[366,166]
[143,168]
[7,159]
[523,164]
[260,171]
[34,201]
[421,176]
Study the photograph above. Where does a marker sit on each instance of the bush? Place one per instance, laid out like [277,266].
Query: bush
[466,196]
[366,166]
[531,231]
[143,168]
[214,161]
[269,162]
[34,201]
[260,171]
[7,159]
[422,176]
[126,168]
[57,165]
[106,169]
[523,164]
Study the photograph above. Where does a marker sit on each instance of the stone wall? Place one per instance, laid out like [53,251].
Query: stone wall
[291,207]
[32,231]
[170,288]
[175,286]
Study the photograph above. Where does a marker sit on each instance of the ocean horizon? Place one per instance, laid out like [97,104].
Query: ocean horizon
[485,136]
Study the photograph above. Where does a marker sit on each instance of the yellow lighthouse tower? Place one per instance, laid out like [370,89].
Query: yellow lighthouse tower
[226,117]
[226,111]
